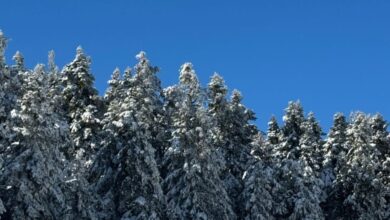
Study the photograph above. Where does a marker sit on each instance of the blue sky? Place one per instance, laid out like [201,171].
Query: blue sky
[332,55]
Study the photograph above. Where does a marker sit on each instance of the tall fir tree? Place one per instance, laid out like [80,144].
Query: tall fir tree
[192,186]
[146,93]
[125,174]
[310,144]
[335,149]
[81,105]
[33,170]
[232,135]
[362,194]
[273,132]
[299,194]
[291,132]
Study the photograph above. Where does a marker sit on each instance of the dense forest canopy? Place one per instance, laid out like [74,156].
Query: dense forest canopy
[182,152]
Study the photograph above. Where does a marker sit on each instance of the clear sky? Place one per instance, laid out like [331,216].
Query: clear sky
[332,55]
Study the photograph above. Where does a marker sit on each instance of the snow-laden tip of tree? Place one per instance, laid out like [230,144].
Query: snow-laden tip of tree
[188,79]
[141,56]
[114,85]
[19,60]
[380,134]
[3,45]
[273,131]
[291,131]
[51,64]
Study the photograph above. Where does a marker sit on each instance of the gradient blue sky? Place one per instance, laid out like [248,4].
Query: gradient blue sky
[332,55]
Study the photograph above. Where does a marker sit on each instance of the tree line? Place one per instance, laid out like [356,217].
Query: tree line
[182,152]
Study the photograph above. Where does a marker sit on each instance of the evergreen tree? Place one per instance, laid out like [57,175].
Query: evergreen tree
[146,93]
[232,135]
[273,132]
[19,61]
[32,169]
[81,105]
[311,144]
[192,185]
[125,174]
[298,195]
[3,45]
[291,132]
[361,193]
[335,149]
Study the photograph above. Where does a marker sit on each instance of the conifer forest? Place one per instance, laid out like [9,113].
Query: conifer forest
[183,152]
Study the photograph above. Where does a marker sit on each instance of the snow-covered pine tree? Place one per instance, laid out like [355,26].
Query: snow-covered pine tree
[310,144]
[291,132]
[380,135]
[273,132]
[146,93]
[233,135]
[361,193]
[19,61]
[335,151]
[9,92]
[55,85]
[33,167]
[299,192]
[81,105]
[3,45]
[192,186]
[380,139]
[114,87]
[125,174]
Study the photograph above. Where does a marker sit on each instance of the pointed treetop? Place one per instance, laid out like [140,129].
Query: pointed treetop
[273,123]
[127,73]
[378,123]
[141,56]
[79,50]
[39,68]
[339,117]
[236,97]
[187,74]
[51,62]
[3,44]
[19,60]
[116,74]
[311,117]
[217,84]
[294,112]
[273,131]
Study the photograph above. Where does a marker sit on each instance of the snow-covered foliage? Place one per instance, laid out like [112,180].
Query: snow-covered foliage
[192,184]
[183,152]
[125,174]
[232,135]
[360,192]
[81,105]
[310,144]
[33,171]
